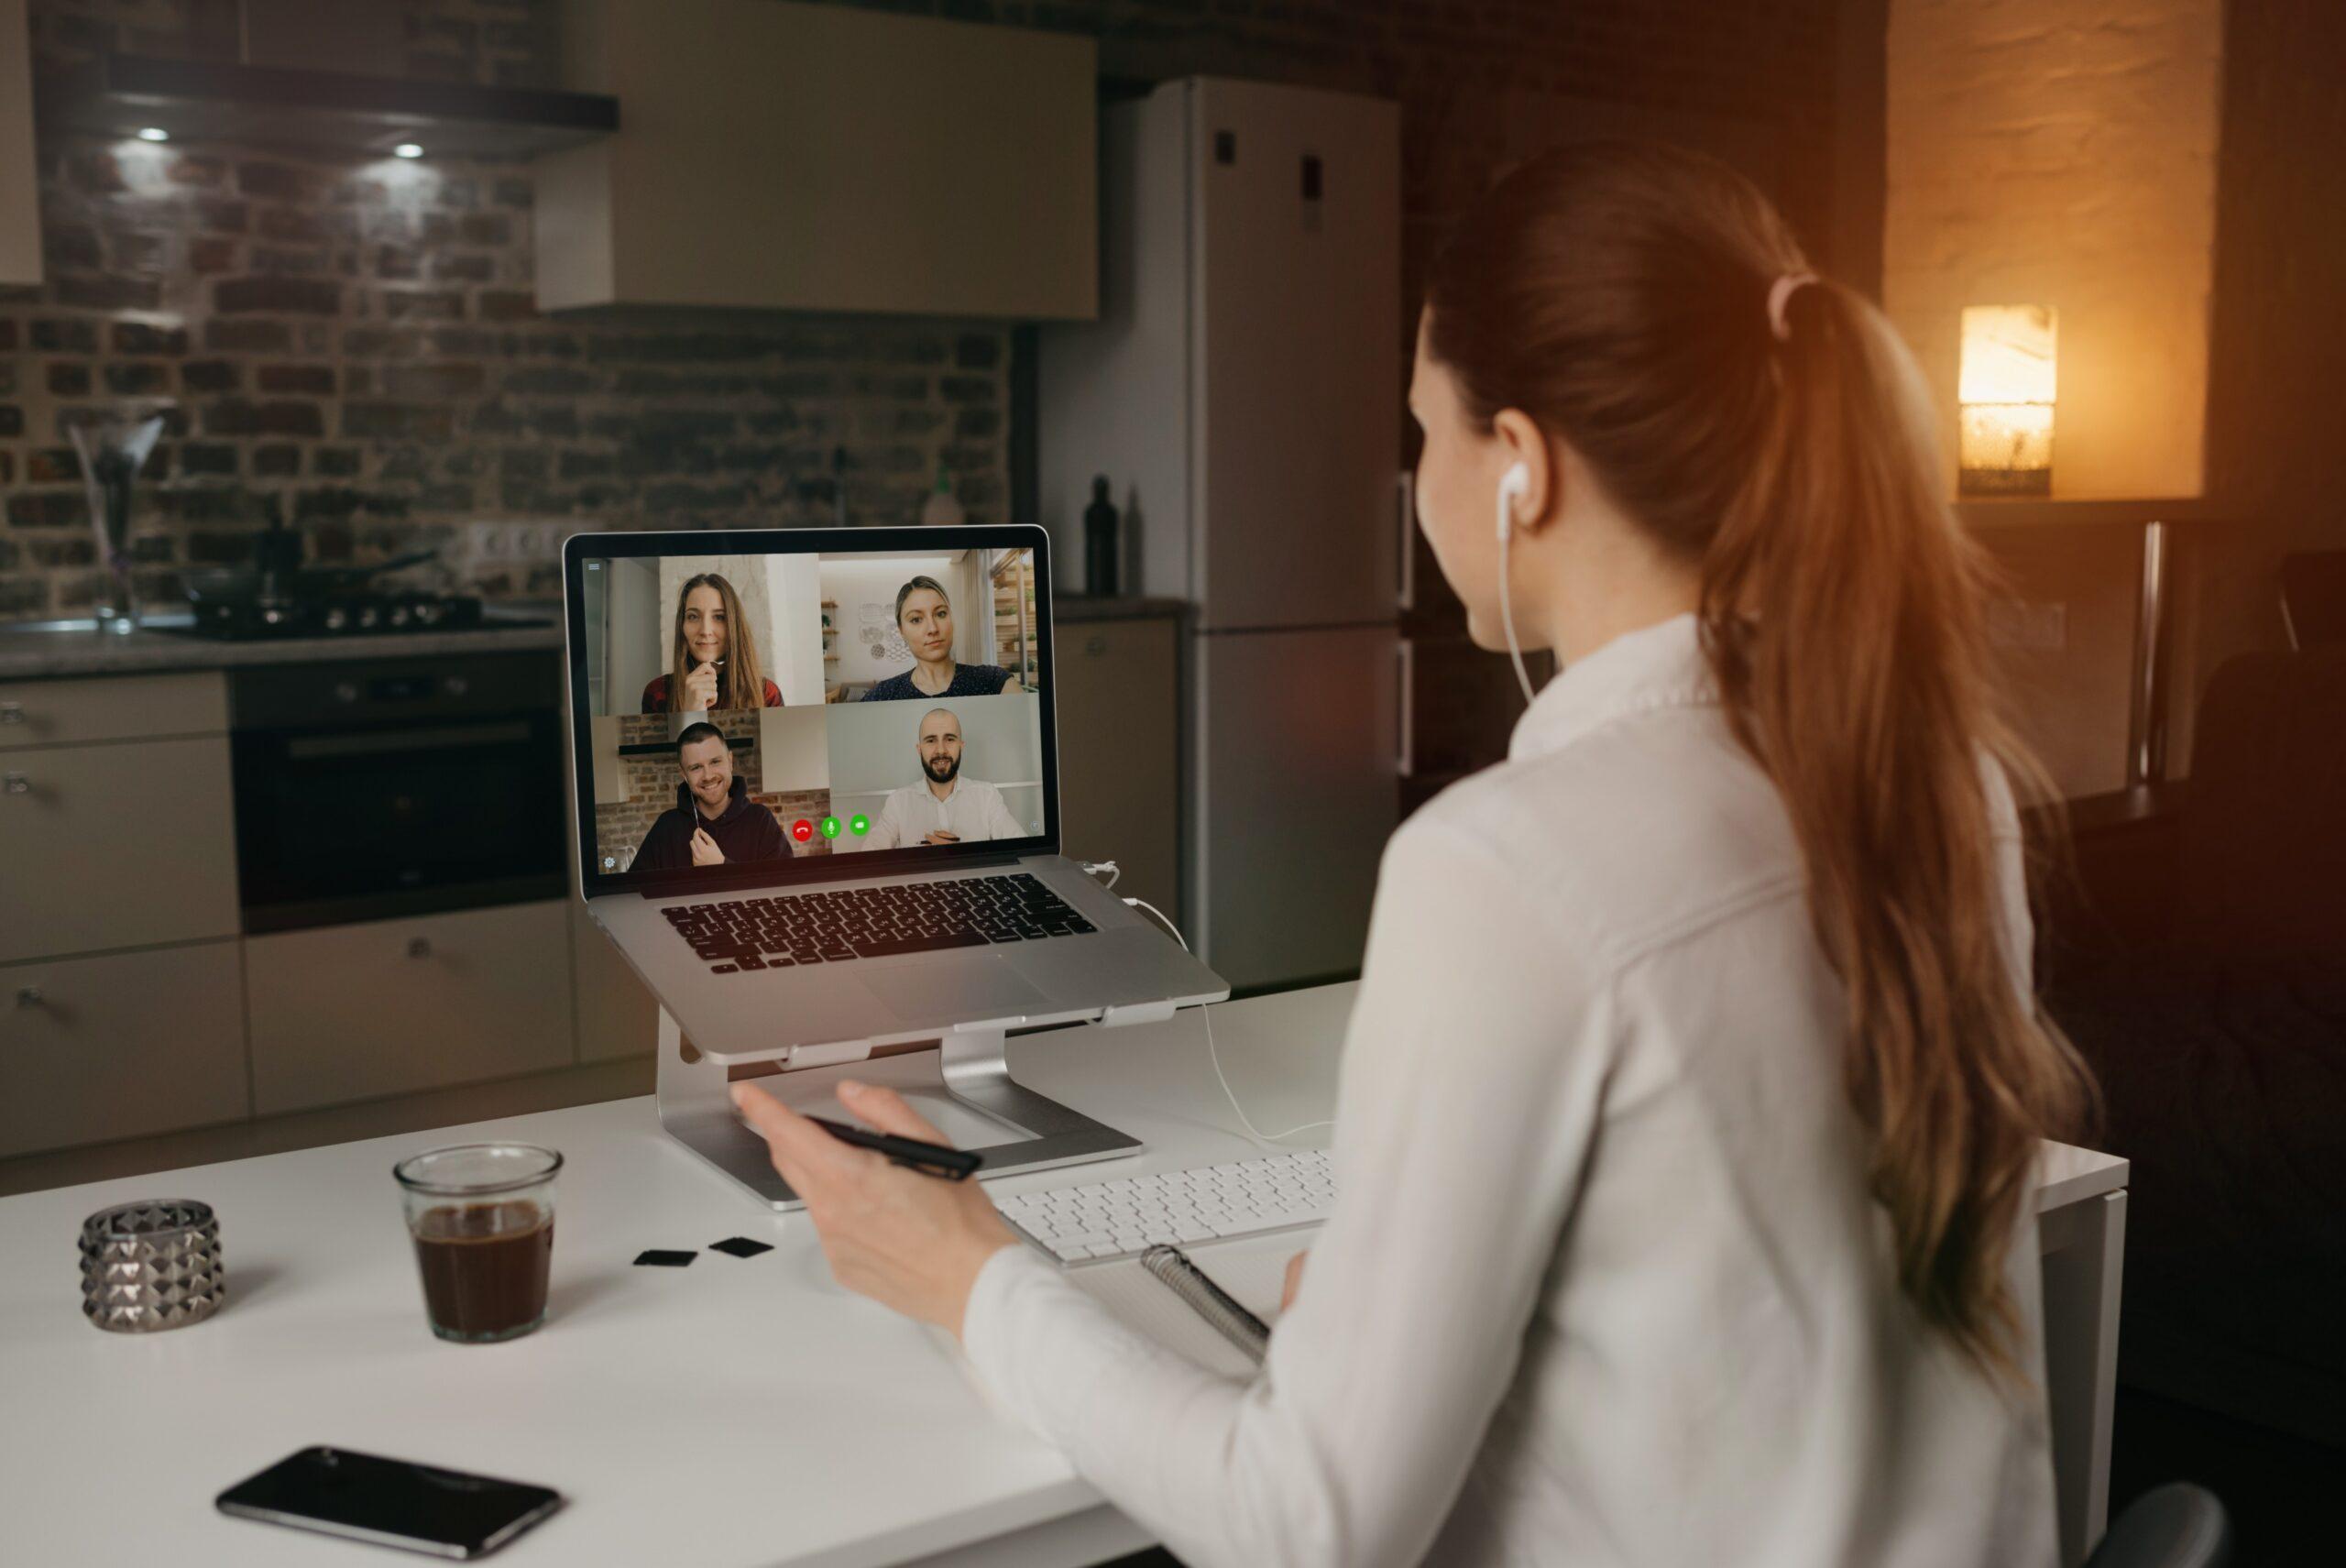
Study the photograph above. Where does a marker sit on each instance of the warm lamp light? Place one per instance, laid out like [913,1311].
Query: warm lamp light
[2005,393]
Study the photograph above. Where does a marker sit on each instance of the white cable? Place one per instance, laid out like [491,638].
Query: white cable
[1214,1056]
[1170,926]
[1093,868]
[1507,602]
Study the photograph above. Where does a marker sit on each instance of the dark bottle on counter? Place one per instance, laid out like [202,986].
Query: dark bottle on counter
[1101,527]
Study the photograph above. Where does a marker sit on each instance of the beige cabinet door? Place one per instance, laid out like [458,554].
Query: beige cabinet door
[617,1017]
[116,846]
[19,181]
[1120,752]
[93,1049]
[111,708]
[352,1012]
[899,164]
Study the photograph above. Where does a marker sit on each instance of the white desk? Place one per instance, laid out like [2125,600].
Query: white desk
[740,1411]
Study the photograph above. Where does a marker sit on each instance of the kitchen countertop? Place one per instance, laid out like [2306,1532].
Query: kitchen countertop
[1071,608]
[40,650]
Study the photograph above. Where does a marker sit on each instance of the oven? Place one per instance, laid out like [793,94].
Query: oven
[371,789]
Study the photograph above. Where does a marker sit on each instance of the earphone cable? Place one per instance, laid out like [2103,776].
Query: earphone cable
[1507,602]
[1213,1056]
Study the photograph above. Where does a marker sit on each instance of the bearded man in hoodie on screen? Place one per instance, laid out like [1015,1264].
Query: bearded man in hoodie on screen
[714,822]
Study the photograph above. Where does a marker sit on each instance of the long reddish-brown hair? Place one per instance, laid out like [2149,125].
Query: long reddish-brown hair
[743,683]
[1619,294]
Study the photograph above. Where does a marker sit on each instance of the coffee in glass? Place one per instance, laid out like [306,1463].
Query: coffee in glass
[482,1218]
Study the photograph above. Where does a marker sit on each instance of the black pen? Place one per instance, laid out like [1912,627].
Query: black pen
[942,1160]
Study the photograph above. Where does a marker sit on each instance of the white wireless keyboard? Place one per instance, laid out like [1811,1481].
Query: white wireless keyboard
[1100,1221]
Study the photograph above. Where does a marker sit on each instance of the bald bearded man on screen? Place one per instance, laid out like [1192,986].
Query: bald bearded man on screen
[943,807]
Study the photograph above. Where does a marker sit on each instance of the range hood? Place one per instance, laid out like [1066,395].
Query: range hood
[202,100]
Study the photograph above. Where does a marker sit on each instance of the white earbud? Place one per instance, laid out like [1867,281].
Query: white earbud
[1513,483]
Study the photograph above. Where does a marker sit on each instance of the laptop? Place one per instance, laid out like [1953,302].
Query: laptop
[815,789]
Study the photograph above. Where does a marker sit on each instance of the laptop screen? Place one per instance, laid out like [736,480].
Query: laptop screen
[747,705]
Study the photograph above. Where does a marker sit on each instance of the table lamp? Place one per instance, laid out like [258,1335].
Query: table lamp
[2004,391]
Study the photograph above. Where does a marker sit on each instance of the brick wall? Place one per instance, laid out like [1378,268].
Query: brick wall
[358,337]
[651,784]
[2063,153]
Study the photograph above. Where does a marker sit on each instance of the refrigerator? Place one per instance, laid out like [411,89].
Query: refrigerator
[1241,389]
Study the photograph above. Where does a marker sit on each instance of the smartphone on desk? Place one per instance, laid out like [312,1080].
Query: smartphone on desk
[391,1502]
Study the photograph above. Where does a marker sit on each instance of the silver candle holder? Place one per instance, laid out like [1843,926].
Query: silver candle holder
[151,1266]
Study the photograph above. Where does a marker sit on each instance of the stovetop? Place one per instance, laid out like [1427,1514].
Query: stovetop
[337,615]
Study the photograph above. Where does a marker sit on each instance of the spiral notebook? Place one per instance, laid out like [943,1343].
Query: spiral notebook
[1181,1313]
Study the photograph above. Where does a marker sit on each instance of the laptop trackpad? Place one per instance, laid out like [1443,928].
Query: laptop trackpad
[944,990]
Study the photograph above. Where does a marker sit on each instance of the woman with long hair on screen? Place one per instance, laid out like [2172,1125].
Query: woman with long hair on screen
[1689,1101]
[924,618]
[713,657]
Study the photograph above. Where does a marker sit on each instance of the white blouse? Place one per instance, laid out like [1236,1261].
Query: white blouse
[1603,1284]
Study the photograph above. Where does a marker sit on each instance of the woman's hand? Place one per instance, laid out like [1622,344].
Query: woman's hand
[910,1241]
[700,689]
[1294,1281]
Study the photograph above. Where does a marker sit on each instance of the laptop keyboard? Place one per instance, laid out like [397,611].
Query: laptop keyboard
[841,923]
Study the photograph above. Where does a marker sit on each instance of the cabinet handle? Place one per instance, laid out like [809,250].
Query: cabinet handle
[15,783]
[419,947]
[30,996]
[11,713]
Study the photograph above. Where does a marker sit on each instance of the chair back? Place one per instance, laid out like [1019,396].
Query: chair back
[2313,599]
[2261,851]
[2175,1526]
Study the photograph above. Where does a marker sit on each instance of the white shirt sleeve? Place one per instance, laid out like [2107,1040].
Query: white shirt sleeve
[999,824]
[886,832]
[1473,1081]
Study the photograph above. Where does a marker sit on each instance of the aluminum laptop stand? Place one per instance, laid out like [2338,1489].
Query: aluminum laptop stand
[971,1068]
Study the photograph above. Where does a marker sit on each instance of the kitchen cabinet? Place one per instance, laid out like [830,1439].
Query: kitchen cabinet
[822,157]
[114,816]
[126,996]
[115,845]
[342,1013]
[19,189]
[120,1046]
[111,708]
[1120,750]
[617,1017]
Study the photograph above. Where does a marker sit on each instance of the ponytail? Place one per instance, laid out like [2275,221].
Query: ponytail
[1629,299]
[1878,723]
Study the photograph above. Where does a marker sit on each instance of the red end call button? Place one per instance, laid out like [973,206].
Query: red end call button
[802,830]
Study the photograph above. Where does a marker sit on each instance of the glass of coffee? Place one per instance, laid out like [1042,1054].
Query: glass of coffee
[482,1216]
